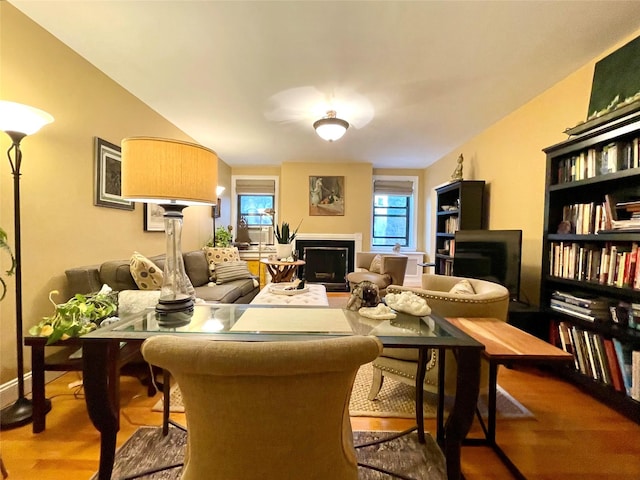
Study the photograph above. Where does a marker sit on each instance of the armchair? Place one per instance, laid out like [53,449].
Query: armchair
[488,300]
[392,268]
[266,409]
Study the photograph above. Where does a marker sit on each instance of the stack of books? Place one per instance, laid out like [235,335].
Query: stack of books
[584,307]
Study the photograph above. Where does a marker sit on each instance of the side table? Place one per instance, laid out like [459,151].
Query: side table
[281,271]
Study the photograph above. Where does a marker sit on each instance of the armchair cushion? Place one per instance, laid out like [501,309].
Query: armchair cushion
[463,287]
[376,264]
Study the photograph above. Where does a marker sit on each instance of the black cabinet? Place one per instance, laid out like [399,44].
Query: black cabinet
[460,206]
[590,278]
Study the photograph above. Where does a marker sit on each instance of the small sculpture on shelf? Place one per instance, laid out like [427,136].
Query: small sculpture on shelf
[457,173]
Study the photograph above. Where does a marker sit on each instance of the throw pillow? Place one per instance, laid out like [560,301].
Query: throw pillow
[218,255]
[463,287]
[229,271]
[146,274]
[376,264]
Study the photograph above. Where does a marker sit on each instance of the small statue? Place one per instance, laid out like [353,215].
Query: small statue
[457,173]
[396,248]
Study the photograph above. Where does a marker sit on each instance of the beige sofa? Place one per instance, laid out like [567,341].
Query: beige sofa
[489,300]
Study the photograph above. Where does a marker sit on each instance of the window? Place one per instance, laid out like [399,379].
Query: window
[394,211]
[254,196]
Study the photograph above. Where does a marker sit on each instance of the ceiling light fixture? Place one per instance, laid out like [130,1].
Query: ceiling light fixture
[331,128]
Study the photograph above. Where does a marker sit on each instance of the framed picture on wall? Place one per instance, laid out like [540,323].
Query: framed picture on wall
[108,176]
[153,217]
[326,196]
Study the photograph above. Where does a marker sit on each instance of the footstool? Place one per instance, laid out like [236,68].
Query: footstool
[317,295]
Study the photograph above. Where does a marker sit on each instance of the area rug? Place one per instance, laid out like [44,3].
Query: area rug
[147,449]
[395,400]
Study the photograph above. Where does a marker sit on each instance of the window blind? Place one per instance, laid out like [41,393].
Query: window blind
[248,186]
[392,187]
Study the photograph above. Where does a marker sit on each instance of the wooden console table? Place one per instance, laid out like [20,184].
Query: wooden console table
[61,361]
[504,345]
[281,271]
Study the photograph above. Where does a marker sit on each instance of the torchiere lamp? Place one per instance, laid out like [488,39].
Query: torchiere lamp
[174,174]
[18,121]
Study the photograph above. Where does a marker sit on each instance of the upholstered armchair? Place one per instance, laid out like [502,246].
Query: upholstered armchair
[488,299]
[266,409]
[383,269]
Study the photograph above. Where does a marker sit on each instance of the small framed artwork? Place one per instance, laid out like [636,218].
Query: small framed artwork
[215,210]
[108,176]
[326,196]
[153,217]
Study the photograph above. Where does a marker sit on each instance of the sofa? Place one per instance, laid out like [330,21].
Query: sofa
[117,274]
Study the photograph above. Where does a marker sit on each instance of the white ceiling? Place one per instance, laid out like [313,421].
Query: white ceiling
[415,79]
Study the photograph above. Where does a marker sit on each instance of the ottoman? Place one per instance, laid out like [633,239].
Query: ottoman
[316,295]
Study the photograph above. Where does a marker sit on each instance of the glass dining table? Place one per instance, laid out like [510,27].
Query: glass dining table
[266,323]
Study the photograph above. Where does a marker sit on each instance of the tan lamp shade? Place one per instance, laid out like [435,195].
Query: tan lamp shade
[159,170]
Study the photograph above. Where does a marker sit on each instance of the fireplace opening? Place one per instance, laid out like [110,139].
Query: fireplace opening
[326,263]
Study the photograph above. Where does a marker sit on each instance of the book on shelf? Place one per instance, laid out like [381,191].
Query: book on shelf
[623,354]
[612,360]
[582,300]
[635,375]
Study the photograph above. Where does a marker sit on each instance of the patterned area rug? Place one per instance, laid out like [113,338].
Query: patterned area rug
[148,449]
[395,399]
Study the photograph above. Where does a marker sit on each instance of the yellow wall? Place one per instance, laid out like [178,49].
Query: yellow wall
[509,157]
[61,228]
[294,198]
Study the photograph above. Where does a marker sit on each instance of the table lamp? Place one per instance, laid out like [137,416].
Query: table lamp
[173,174]
[18,121]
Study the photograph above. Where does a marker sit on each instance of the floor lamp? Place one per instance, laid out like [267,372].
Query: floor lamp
[174,174]
[271,212]
[18,121]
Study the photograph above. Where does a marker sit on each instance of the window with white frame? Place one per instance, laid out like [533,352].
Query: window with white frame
[253,196]
[394,211]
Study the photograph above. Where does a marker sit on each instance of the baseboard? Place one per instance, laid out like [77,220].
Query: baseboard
[9,390]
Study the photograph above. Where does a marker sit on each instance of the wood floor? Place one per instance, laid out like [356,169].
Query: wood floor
[572,436]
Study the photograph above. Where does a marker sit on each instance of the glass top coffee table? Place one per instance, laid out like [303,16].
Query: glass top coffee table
[265,323]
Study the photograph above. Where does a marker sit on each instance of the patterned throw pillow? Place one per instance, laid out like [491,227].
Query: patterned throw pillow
[229,271]
[463,287]
[146,274]
[218,255]
[376,264]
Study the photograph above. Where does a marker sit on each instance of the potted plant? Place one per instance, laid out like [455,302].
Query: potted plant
[284,237]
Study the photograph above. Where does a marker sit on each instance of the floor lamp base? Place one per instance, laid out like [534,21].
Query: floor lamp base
[20,413]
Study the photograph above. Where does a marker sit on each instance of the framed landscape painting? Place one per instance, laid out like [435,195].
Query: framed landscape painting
[108,176]
[326,196]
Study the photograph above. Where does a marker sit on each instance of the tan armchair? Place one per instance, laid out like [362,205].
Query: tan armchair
[489,300]
[392,270]
[266,409]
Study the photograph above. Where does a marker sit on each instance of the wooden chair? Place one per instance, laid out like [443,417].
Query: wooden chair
[266,409]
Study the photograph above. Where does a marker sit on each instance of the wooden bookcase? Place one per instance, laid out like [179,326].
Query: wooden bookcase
[585,257]
[460,205]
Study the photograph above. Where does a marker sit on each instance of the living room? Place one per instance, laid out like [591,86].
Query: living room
[62,228]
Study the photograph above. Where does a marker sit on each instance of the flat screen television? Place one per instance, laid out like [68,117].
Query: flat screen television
[493,255]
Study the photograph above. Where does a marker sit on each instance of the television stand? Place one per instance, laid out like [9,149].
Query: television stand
[528,318]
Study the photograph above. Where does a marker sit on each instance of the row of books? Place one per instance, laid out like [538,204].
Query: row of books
[610,158]
[610,264]
[451,224]
[584,218]
[605,360]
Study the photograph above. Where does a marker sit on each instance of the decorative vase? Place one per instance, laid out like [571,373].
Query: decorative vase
[283,250]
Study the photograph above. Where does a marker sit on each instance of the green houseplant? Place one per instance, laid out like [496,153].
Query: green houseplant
[80,315]
[5,246]
[283,233]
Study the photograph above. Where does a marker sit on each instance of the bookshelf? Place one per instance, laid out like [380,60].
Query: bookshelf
[590,282]
[460,205]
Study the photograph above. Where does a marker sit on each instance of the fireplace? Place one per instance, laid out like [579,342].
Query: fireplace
[327,261]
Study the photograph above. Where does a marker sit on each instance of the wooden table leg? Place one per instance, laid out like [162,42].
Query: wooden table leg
[464,405]
[98,397]
[39,413]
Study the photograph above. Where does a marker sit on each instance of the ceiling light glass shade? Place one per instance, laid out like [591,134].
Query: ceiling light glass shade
[19,118]
[331,128]
[159,170]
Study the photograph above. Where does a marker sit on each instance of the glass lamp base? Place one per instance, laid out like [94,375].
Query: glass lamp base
[174,313]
